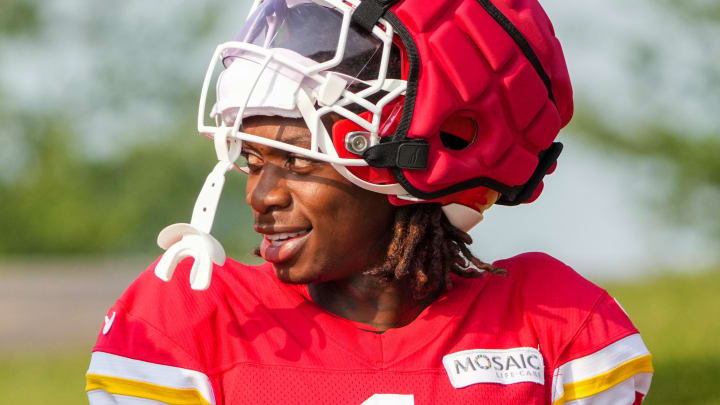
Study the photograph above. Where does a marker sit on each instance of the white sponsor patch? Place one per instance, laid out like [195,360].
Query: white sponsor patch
[508,366]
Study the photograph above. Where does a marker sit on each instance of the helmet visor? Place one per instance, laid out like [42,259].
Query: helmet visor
[313,31]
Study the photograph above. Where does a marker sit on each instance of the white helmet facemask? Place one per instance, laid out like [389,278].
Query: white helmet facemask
[297,59]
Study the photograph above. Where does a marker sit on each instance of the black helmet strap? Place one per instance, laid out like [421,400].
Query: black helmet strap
[368,12]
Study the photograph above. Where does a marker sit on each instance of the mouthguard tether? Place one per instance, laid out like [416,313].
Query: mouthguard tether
[194,240]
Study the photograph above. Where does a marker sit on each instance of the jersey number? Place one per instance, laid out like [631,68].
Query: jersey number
[390,399]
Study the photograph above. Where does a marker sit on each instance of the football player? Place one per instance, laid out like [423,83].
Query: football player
[374,134]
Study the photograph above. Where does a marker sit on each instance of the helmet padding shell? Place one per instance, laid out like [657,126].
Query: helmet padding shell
[467,62]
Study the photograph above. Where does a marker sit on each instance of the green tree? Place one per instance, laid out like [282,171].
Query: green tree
[18,17]
[98,150]
[63,203]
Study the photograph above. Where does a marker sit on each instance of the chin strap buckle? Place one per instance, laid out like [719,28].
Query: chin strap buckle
[194,240]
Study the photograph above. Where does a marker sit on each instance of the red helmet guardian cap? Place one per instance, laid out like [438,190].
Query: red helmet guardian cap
[498,65]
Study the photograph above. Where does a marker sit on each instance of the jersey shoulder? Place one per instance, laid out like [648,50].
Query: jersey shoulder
[167,322]
[153,299]
[545,280]
[561,305]
[591,347]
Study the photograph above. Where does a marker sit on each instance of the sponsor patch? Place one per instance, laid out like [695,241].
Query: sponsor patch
[507,366]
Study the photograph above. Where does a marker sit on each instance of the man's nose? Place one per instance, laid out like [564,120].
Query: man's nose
[268,190]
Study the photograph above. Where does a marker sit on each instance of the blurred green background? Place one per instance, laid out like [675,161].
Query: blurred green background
[98,152]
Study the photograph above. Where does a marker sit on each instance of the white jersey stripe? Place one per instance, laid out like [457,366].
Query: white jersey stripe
[119,370]
[642,382]
[620,394]
[603,360]
[100,397]
[598,363]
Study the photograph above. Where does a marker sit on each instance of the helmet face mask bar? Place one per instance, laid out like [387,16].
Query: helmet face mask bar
[292,80]
[403,81]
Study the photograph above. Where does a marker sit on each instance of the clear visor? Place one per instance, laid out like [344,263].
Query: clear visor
[313,31]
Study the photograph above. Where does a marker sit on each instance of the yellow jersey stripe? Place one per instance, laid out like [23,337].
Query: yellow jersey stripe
[602,382]
[141,389]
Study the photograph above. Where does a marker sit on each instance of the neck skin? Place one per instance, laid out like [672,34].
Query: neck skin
[361,298]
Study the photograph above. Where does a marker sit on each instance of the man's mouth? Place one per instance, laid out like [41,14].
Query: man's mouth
[278,239]
[283,246]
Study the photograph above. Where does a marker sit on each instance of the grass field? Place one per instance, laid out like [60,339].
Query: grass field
[679,317]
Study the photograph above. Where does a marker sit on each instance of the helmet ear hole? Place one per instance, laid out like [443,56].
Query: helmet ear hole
[453,142]
[458,132]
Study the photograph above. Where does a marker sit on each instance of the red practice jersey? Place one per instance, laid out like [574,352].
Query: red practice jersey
[540,335]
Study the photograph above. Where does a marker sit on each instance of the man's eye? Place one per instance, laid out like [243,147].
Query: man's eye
[253,160]
[254,163]
[299,162]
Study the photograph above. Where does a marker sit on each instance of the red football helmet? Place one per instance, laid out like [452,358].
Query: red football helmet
[456,102]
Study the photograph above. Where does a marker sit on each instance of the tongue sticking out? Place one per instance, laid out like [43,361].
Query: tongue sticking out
[278,251]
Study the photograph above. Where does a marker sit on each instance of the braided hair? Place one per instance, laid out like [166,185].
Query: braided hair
[426,249]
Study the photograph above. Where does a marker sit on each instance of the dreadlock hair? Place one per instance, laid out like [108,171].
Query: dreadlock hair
[425,249]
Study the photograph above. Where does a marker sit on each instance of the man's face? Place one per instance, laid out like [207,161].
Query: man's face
[317,226]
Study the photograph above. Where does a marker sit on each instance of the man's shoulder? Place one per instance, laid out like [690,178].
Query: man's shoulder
[543,274]
[154,309]
[148,292]
[169,323]
[545,286]
[567,314]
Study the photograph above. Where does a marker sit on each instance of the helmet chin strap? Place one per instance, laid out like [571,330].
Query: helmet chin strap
[194,240]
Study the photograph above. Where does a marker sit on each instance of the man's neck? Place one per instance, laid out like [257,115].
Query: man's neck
[380,305]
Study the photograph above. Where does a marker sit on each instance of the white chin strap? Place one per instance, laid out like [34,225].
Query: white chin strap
[462,217]
[194,240]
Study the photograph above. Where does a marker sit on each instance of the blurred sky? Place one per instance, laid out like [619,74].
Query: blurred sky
[587,216]
[594,213]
